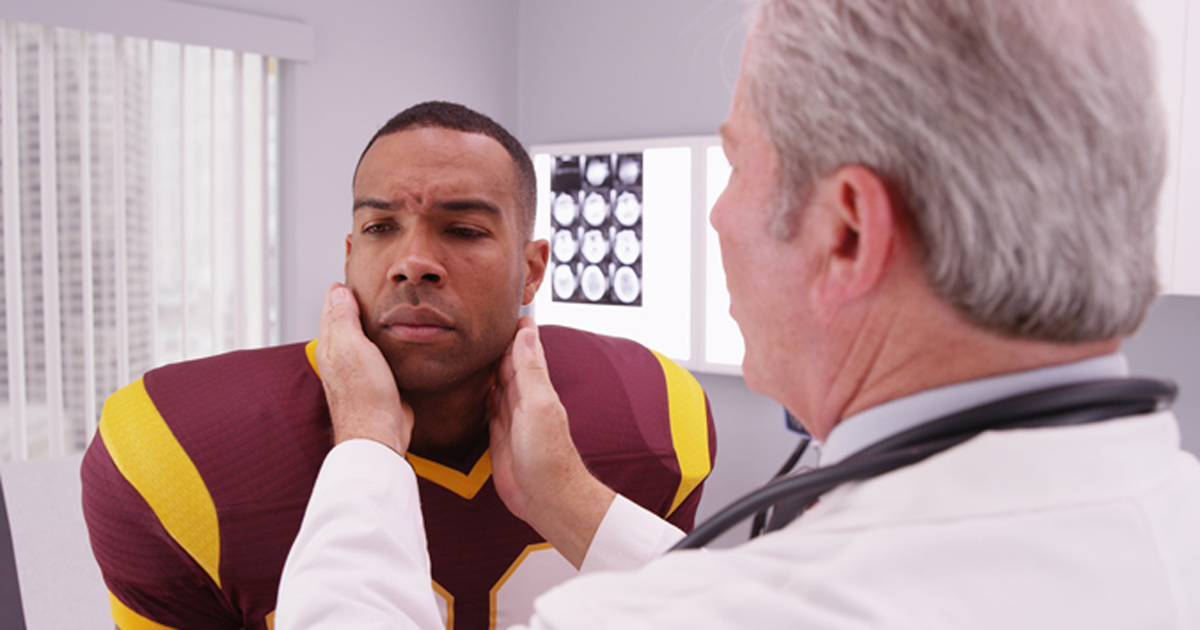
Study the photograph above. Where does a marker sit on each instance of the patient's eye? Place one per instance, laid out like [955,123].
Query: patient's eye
[377,228]
[466,232]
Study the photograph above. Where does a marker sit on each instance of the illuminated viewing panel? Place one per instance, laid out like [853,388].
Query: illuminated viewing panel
[632,253]
[596,228]
[619,220]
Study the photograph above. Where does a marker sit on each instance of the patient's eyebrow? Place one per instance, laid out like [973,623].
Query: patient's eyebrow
[461,204]
[373,203]
[469,204]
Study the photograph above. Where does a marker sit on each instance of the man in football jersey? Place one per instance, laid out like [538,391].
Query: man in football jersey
[196,483]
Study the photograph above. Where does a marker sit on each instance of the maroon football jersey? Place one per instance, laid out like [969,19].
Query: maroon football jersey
[196,483]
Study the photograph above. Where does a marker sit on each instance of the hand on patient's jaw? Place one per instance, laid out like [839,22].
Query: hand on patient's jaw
[359,386]
[537,470]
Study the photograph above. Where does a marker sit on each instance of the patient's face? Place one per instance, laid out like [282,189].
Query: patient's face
[437,258]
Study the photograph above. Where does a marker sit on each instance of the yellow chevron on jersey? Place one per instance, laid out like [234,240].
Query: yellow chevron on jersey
[145,451]
[689,427]
[465,486]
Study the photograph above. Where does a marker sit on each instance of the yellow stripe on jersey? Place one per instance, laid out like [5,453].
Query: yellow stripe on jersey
[126,619]
[270,619]
[465,486]
[146,452]
[689,427]
[310,350]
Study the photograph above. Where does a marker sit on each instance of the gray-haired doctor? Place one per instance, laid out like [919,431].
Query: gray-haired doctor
[934,205]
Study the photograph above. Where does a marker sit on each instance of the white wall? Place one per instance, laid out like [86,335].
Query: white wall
[1175,25]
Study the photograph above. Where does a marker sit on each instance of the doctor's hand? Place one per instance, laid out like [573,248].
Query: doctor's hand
[359,386]
[537,470]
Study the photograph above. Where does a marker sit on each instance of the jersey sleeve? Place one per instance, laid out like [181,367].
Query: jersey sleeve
[693,440]
[132,480]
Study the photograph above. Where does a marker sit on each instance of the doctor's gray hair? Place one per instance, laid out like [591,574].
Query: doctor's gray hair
[1023,140]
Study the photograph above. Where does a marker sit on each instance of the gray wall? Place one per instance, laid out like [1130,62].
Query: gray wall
[626,68]
[1168,346]
[752,444]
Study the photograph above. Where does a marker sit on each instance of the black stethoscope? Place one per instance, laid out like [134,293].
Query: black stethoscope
[1081,403]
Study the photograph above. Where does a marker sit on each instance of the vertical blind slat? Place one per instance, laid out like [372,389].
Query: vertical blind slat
[254,217]
[183,186]
[238,199]
[271,185]
[15,315]
[51,313]
[215,211]
[120,206]
[87,261]
[152,228]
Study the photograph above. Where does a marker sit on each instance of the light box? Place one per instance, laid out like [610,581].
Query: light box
[631,253]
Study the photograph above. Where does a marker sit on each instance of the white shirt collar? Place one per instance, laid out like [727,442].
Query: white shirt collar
[877,423]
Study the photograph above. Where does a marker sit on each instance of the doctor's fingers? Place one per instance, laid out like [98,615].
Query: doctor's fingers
[529,390]
[354,374]
[340,324]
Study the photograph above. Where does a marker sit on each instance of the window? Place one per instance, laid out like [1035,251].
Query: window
[137,182]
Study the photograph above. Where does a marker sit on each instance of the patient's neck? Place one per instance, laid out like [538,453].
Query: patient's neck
[450,426]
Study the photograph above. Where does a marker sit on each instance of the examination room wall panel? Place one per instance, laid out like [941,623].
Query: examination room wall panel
[372,58]
[623,69]
[1168,346]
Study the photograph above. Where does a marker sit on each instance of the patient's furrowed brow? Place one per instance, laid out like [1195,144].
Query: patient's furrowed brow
[470,205]
[373,203]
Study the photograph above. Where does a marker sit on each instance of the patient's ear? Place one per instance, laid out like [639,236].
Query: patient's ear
[537,254]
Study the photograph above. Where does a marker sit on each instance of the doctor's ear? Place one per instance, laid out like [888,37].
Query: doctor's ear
[856,227]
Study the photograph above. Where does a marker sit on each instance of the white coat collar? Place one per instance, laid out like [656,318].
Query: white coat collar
[877,423]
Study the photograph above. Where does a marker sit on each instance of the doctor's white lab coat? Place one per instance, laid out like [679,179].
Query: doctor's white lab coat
[1094,526]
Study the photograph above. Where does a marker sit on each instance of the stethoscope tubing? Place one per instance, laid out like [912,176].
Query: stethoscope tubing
[1080,403]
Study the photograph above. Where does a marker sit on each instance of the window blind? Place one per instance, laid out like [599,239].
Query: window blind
[138,184]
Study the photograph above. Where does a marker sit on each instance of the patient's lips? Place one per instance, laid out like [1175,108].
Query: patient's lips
[417,324]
